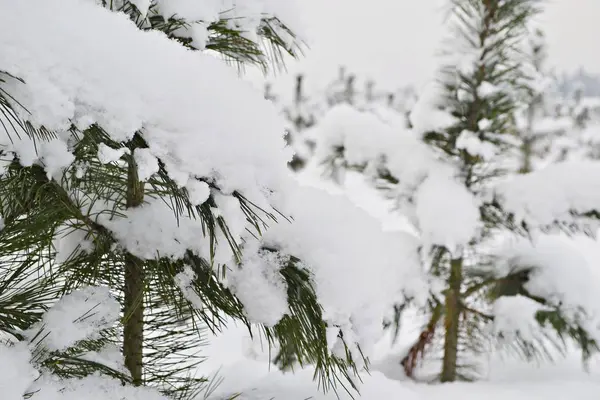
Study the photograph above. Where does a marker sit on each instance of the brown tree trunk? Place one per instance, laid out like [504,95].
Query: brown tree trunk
[133,335]
[452,322]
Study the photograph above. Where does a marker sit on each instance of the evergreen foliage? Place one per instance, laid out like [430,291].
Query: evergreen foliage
[161,330]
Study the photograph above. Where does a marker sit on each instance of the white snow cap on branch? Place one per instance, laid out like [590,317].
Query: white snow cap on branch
[243,15]
[563,273]
[515,315]
[360,271]
[447,212]
[145,83]
[76,316]
[426,115]
[551,195]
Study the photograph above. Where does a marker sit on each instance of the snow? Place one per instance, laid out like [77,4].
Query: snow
[69,241]
[148,85]
[152,229]
[90,388]
[484,124]
[359,271]
[371,143]
[487,89]
[260,287]
[80,315]
[550,195]
[16,371]
[547,125]
[565,273]
[191,143]
[77,316]
[107,154]
[184,281]
[245,15]
[475,146]
[515,316]
[147,164]
[451,221]
[512,378]
[55,157]
[187,123]
[367,140]
[361,134]
[426,116]
[110,356]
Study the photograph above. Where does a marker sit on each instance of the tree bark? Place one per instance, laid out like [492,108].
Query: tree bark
[133,334]
[452,322]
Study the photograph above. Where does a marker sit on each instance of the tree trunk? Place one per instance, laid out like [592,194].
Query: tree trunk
[452,322]
[528,141]
[526,154]
[133,335]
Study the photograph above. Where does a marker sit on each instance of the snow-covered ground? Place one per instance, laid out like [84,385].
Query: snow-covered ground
[246,372]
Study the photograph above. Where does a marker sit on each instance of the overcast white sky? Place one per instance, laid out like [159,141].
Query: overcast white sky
[395,41]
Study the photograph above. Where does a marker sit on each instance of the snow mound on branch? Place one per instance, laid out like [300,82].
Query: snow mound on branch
[76,316]
[260,287]
[144,83]
[515,315]
[366,139]
[561,273]
[447,212]
[426,115]
[245,15]
[360,271]
[551,194]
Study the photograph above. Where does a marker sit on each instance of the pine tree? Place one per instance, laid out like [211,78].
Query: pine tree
[451,175]
[65,212]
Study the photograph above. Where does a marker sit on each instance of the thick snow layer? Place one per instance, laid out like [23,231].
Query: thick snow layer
[77,316]
[475,146]
[550,195]
[90,388]
[515,315]
[359,270]
[359,191]
[565,273]
[260,287]
[139,81]
[426,115]
[447,212]
[245,15]
[16,371]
